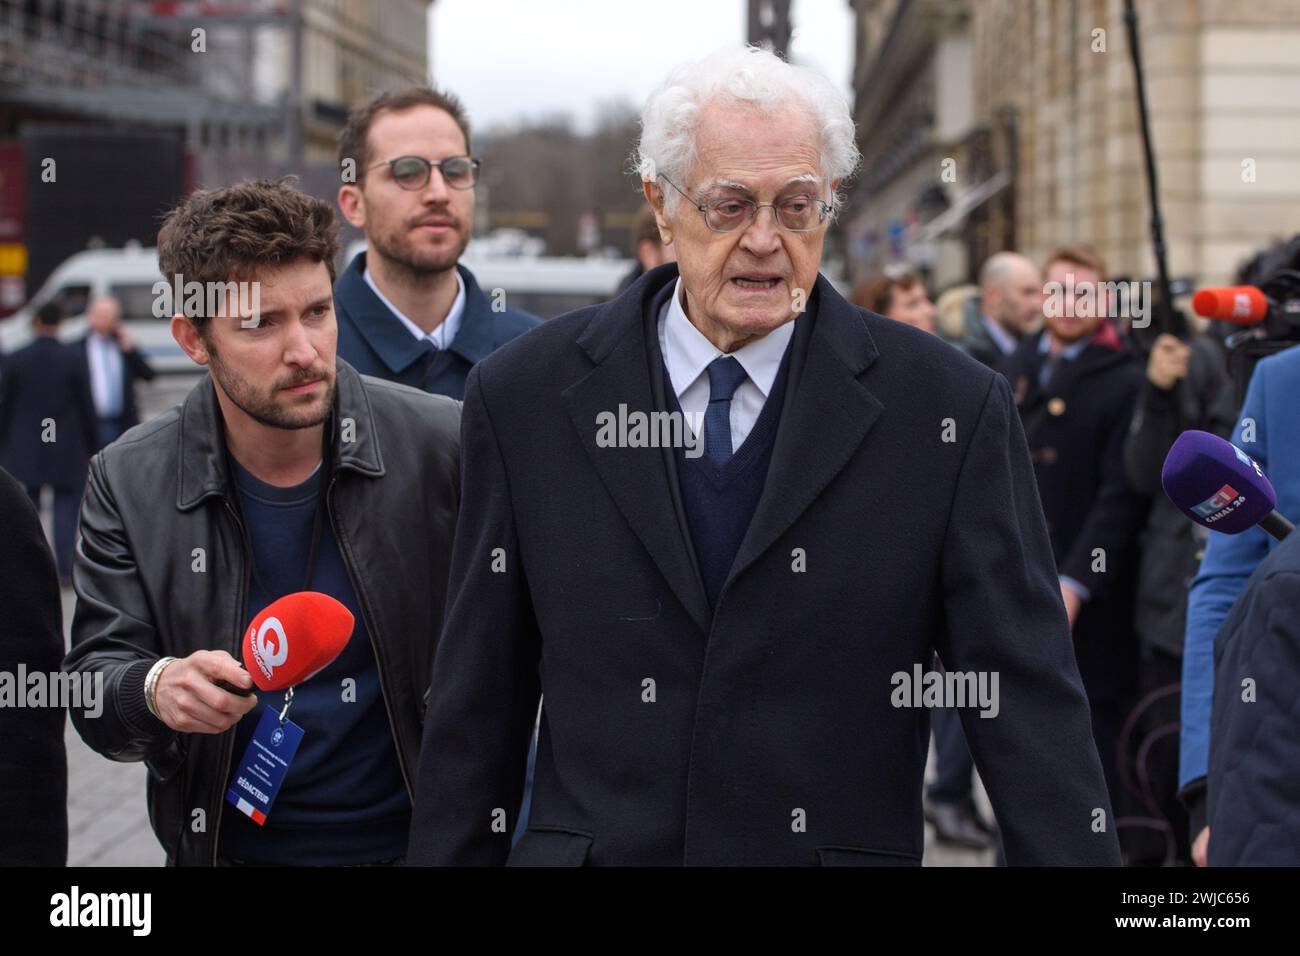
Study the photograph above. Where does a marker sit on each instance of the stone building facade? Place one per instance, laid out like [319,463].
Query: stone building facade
[990,124]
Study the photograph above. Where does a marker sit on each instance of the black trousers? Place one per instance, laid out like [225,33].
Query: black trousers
[67,508]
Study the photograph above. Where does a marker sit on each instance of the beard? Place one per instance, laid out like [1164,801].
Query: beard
[398,248]
[1071,334]
[1012,322]
[262,405]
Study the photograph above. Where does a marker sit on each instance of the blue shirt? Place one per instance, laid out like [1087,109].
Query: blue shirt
[343,799]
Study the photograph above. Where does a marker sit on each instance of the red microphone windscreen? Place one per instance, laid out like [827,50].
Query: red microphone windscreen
[1242,304]
[294,638]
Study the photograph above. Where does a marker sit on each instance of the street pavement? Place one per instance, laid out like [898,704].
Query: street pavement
[108,824]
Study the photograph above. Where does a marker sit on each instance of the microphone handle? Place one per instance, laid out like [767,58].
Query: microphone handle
[231,688]
[1277,525]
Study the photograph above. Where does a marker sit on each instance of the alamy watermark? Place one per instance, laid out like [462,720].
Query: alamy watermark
[194,299]
[129,910]
[637,429]
[1110,300]
[83,691]
[923,688]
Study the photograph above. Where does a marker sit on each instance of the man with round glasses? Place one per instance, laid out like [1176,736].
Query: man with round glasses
[407,310]
[722,525]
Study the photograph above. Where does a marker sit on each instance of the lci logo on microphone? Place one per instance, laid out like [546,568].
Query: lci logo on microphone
[1225,500]
[270,656]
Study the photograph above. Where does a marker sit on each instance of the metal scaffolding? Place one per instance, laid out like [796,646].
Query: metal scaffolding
[135,62]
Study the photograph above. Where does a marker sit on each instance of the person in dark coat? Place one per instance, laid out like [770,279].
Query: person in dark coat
[33,762]
[729,623]
[1009,307]
[1252,789]
[48,426]
[1186,386]
[114,365]
[1076,383]
[408,311]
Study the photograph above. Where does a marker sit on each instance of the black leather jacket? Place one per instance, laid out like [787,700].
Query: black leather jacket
[161,570]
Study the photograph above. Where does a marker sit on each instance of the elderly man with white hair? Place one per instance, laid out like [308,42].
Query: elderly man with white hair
[720,527]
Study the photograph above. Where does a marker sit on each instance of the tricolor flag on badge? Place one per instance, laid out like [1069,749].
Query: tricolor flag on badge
[246,808]
[257,777]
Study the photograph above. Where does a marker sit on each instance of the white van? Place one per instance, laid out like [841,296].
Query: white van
[546,286]
[129,275]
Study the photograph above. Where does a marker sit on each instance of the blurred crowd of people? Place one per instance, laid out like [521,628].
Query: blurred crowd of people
[60,402]
[1101,410]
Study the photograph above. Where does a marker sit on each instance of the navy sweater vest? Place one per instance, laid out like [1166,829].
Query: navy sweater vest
[720,502]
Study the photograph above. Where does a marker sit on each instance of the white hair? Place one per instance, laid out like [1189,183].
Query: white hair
[751,76]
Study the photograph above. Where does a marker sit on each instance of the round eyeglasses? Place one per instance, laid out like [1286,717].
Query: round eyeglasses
[412,172]
[798,213]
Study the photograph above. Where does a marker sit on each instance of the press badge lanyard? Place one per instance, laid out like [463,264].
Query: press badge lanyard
[317,525]
[258,776]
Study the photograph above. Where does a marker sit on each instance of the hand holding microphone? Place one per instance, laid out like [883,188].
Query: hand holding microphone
[188,699]
[290,641]
[1168,363]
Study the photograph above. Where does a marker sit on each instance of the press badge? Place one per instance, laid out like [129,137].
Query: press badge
[265,762]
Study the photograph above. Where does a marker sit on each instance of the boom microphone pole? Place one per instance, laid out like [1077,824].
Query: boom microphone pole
[1167,318]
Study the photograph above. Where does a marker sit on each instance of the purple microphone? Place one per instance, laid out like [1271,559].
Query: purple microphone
[1218,485]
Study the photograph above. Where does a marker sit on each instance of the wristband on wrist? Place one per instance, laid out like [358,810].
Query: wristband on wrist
[151,684]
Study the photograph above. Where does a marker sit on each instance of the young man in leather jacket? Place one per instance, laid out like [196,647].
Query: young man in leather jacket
[283,471]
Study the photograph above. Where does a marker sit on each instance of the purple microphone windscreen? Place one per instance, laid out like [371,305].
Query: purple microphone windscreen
[1215,483]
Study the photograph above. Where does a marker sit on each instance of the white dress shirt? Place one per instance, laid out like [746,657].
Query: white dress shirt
[687,354]
[445,333]
[105,361]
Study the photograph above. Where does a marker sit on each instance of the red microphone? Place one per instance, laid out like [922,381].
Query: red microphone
[1238,304]
[294,638]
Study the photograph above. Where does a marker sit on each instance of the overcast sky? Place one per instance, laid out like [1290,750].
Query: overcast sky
[513,58]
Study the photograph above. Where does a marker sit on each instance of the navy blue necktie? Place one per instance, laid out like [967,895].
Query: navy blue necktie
[725,376]
[1048,369]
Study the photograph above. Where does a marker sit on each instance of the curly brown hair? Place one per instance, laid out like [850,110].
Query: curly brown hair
[227,234]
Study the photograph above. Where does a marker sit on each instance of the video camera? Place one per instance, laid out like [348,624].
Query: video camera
[1266,306]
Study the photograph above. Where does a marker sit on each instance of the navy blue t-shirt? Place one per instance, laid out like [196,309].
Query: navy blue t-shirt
[343,799]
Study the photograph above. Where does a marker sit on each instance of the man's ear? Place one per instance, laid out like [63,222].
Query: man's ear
[655,197]
[353,205]
[189,339]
